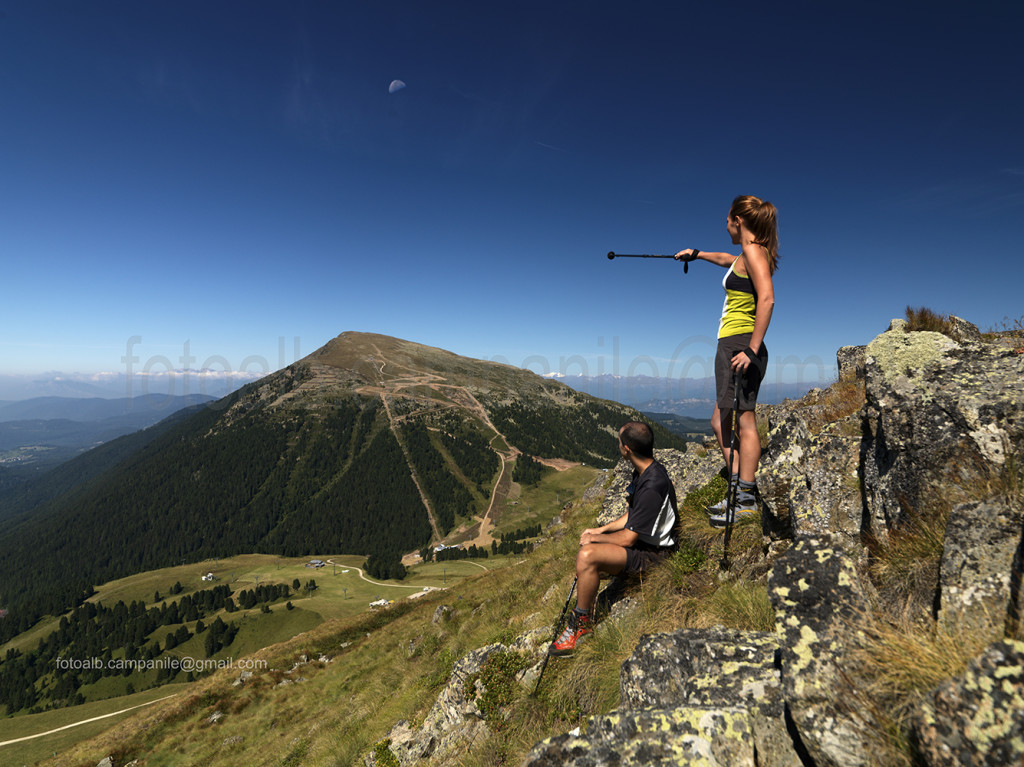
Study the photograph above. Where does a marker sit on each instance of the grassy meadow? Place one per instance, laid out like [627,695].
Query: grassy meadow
[342,597]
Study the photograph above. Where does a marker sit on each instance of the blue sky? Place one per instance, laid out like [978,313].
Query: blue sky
[233,183]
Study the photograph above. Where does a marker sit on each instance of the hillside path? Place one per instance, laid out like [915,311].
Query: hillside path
[83,721]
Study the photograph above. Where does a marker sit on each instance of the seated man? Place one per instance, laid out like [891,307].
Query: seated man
[633,542]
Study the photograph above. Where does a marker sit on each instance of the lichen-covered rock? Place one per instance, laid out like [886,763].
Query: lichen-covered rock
[810,483]
[975,575]
[962,331]
[716,667]
[850,361]
[939,415]
[444,614]
[815,590]
[453,720]
[978,718]
[680,736]
[688,471]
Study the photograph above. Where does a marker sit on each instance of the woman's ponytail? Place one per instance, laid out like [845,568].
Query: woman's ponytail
[760,219]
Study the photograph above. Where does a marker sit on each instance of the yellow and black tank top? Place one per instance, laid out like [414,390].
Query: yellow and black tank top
[740,305]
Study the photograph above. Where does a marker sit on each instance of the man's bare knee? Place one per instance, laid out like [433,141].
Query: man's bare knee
[587,556]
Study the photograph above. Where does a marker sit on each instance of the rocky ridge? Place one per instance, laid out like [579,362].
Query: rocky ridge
[924,425]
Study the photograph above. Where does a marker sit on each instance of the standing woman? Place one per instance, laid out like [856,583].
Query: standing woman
[749,300]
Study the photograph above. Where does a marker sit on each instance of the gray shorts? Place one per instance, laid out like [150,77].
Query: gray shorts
[751,384]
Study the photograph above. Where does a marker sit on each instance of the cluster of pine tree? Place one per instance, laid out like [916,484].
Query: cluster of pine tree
[85,647]
[521,533]
[528,471]
[384,567]
[249,598]
[219,636]
[509,547]
[372,507]
[587,431]
[470,449]
[473,552]
[449,497]
[582,434]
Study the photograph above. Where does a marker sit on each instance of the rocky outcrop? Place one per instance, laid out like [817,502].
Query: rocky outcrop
[978,718]
[976,583]
[720,670]
[810,482]
[851,362]
[654,737]
[816,591]
[455,719]
[688,471]
[939,415]
[929,420]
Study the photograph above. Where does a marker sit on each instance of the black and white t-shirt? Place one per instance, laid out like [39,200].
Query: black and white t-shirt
[652,507]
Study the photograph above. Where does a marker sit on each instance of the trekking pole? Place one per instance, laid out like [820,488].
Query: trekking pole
[730,504]
[686,261]
[558,627]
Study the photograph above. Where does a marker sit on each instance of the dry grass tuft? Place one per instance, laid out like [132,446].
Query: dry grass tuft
[896,663]
[905,568]
[842,399]
[1009,327]
[922,318]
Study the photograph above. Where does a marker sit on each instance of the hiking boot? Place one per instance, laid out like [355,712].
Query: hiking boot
[718,508]
[579,626]
[740,514]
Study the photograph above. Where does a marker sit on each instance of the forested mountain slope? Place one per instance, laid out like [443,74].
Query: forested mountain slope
[371,445]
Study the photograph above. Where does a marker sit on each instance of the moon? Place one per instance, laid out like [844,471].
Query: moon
[396,85]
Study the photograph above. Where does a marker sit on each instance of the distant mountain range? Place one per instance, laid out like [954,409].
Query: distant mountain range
[44,431]
[167,383]
[693,397]
[371,446]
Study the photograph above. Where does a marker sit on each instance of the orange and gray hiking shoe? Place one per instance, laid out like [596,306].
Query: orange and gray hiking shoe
[579,626]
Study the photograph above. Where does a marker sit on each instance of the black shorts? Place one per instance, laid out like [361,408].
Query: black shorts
[641,557]
[727,347]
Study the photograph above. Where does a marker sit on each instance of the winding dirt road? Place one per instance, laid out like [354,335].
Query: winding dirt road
[83,721]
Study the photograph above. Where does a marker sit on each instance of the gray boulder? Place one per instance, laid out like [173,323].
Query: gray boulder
[962,331]
[679,736]
[939,416]
[810,482]
[688,471]
[850,361]
[975,575]
[815,590]
[452,721]
[715,668]
[978,718]
[444,614]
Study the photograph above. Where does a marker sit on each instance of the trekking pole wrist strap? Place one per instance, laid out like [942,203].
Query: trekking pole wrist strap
[754,359]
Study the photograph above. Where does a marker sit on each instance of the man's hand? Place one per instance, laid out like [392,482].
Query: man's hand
[587,536]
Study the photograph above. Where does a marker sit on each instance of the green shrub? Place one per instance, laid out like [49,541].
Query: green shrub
[698,500]
[383,757]
[688,559]
[498,677]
